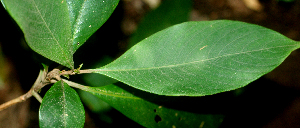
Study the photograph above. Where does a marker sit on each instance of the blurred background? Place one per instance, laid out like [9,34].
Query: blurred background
[272,101]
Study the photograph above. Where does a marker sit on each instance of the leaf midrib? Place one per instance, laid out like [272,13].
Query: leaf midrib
[89,89]
[53,37]
[64,103]
[175,65]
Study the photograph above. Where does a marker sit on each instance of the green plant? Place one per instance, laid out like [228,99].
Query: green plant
[188,59]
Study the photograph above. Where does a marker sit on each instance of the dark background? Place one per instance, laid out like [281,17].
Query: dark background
[272,101]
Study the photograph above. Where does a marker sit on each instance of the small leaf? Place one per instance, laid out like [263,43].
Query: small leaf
[61,107]
[201,58]
[154,113]
[57,28]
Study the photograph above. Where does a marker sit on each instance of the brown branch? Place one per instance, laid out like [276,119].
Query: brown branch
[15,101]
[38,84]
[20,98]
[43,79]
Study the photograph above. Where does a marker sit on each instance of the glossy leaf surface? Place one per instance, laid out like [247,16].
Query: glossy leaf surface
[154,111]
[87,16]
[57,28]
[201,58]
[61,107]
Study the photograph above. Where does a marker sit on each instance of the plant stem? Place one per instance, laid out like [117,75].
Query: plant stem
[44,78]
[75,85]
[71,72]
[37,96]
[86,71]
[15,101]
[38,84]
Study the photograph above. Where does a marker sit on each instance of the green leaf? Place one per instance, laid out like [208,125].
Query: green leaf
[201,58]
[169,13]
[45,26]
[57,28]
[93,103]
[61,107]
[87,16]
[154,111]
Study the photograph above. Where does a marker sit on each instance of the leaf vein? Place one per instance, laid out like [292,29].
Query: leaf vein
[204,60]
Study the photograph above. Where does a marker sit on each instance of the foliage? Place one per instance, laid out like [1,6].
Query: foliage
[192,58]
[77,21]
[61,104]
[195,58]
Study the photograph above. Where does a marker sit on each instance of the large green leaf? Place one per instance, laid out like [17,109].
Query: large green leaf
[57,28]
[201,58]
[155,111]
[61,107]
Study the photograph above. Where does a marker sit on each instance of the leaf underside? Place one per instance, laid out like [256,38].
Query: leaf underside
[154,113]
[61,107]
[57,28]
[201,58]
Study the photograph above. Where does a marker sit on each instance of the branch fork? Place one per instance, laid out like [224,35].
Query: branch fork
[44,78]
